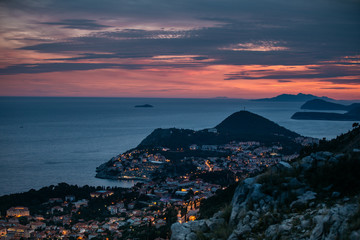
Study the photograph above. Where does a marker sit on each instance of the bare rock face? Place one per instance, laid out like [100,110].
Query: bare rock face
[355,235]
[279,204]
[332,223]
[179,231]
[189,230]
[303,200]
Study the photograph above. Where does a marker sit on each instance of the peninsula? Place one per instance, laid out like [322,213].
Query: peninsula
[240,126]
[174,152]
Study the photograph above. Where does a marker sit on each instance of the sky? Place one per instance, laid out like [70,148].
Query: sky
[185,49]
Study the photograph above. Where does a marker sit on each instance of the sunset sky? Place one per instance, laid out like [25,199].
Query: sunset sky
[184,48]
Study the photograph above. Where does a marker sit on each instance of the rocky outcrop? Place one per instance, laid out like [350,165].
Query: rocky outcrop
[188,230]
[191,230]
[282,203]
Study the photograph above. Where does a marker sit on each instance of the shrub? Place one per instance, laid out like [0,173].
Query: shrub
[223,231]
[227,212]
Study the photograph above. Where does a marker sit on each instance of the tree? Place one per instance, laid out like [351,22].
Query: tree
[23,220]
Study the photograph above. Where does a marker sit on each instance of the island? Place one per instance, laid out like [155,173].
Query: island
[300,97]
[320,104]
[144,106]
[352,115]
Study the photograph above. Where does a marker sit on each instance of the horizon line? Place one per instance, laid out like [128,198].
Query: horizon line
[218,98]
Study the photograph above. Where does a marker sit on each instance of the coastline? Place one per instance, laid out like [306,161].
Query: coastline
[102,129]
[124,178]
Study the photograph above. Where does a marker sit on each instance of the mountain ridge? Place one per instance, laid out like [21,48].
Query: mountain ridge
[300,97]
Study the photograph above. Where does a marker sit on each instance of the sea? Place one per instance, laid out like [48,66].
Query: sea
[48,140]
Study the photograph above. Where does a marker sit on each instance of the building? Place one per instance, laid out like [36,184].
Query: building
[113,209]
[57,209]
[18,212]
[212,130]
[80,203]
[3,231]
[209,147]
[37,225]
[101,193]
[193,147]
[131,205]
[19,231]
[70,198]
[55,200]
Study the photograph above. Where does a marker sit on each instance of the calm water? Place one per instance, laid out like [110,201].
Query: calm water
[45,141]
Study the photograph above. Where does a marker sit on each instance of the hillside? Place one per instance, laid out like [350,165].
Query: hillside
[247,123]
[292,98]
[314,197]
[240,126]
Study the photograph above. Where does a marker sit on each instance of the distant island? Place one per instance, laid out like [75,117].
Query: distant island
[319,104]
[144,106]
[352,115]
[292,98]
[221,97]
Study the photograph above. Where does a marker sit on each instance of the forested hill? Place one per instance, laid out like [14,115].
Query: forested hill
[247,123]
[240,126]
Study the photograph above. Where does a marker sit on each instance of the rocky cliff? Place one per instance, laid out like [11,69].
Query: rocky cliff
[315,197]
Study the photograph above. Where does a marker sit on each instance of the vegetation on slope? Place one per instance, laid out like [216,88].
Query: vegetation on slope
[240,126]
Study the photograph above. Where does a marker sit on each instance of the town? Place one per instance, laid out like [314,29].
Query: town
[147,210]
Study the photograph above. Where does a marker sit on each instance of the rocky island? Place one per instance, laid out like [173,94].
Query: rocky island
[144,106]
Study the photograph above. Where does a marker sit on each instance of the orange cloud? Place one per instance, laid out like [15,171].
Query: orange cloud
[169,82]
